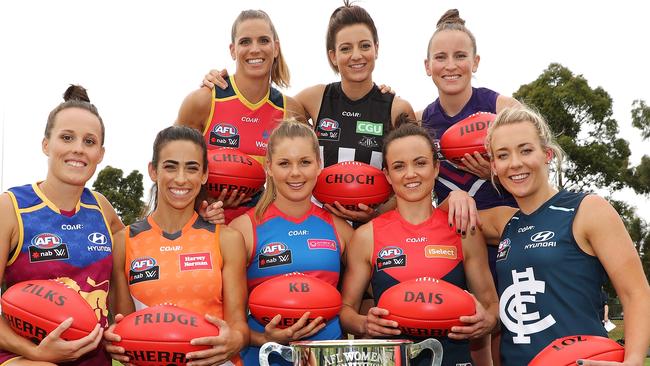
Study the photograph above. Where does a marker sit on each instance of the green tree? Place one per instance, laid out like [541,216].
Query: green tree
[124,193]
[582,119]
[641,117]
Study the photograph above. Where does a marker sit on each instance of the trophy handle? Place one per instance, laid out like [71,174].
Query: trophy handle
[429,343]
[270,347]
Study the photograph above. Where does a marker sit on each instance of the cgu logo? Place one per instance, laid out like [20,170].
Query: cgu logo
[390,252]
[274,249]
[225,130]
[46,240]
[143,264]
[327,124]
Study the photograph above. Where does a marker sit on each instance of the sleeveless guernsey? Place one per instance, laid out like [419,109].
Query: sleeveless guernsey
[403,251]
[284,244]
[353,130]
[436,121]
[548,287]
[75,250]
[181,268]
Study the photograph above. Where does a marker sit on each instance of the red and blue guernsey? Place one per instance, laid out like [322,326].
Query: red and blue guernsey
[548,287]
[403,251]
[450,178]
[75,250]
[284,244]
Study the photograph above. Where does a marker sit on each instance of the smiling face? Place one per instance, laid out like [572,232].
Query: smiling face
[74,146]
[411,168]
[519,160]
[254,48]
[451,62]
[179,174]
[354,53]
[294,167]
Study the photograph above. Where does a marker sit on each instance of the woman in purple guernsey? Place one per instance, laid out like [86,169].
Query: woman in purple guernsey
[59,211]
[451,61]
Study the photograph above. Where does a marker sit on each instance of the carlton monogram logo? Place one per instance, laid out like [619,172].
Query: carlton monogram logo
[542,236]
[513,309]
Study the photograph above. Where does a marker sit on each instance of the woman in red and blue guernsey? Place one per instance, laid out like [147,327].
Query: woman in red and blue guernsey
[418,231]
[61,213]
[287,233]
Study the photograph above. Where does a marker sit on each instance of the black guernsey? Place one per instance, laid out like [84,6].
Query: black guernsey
[353,130]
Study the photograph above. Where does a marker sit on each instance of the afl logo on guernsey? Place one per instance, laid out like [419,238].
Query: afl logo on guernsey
[274,254]
[224,135]
[504,249]
[47,247]
[328,129]
[143,269]
[389,257]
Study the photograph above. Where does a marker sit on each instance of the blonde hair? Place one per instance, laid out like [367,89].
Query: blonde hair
[280,71]
[451,20]
[523,113]
[287,129]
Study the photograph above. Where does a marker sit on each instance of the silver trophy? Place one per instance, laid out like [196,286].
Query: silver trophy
[357,352]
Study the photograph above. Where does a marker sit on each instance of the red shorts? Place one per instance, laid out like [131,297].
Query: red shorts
[5,357]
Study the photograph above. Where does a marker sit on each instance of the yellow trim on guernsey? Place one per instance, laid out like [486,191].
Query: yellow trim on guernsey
[21,234]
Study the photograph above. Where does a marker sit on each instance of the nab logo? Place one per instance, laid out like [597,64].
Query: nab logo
[542,236]
[390,252]
[97,238]
[274,249]
[327,124]
[46,241]
[143,264]
[225,130]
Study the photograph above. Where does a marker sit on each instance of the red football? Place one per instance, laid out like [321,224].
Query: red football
[232,169]
[291,295]
[34,308]
[426,307]
[161,335]
[466,136]
[351,183]
[566,351]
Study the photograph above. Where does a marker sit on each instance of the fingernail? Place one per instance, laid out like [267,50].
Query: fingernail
[580,362]
[473,228]
[463,232]
[450,225]
[458,231]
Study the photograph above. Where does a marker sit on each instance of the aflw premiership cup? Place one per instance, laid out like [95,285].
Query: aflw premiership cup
[358,352]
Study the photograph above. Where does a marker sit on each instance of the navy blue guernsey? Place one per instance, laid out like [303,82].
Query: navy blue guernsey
[353,130]
[548,287]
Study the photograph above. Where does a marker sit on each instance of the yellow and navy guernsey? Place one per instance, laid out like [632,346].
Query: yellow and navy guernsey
[181,268]
[75,250]
[236,123]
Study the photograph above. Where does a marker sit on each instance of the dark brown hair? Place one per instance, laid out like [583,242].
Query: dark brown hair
[451,20]
[405,127]
[342,17]
[75,96]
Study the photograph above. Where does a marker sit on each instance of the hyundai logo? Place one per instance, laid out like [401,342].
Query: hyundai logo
[97,238]
[542,236]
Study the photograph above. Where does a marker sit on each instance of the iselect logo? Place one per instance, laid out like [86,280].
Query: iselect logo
[370,128]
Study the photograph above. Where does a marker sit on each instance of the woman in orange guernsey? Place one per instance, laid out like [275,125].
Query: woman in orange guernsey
[184,249]
[243,114]
[416,229]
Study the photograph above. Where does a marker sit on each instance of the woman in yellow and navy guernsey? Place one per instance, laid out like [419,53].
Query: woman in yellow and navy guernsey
[242,115]
[188,255]
[60,213]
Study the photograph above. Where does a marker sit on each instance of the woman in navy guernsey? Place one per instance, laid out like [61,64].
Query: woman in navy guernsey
[287,233]
[416,229]
[242,114]
[60,212]
[556,250]
[350,117]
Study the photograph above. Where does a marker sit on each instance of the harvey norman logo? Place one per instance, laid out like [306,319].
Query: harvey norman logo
[441,251]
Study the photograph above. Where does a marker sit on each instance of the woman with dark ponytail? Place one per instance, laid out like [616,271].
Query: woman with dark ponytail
[285,208]
[74,145]
[411,167]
